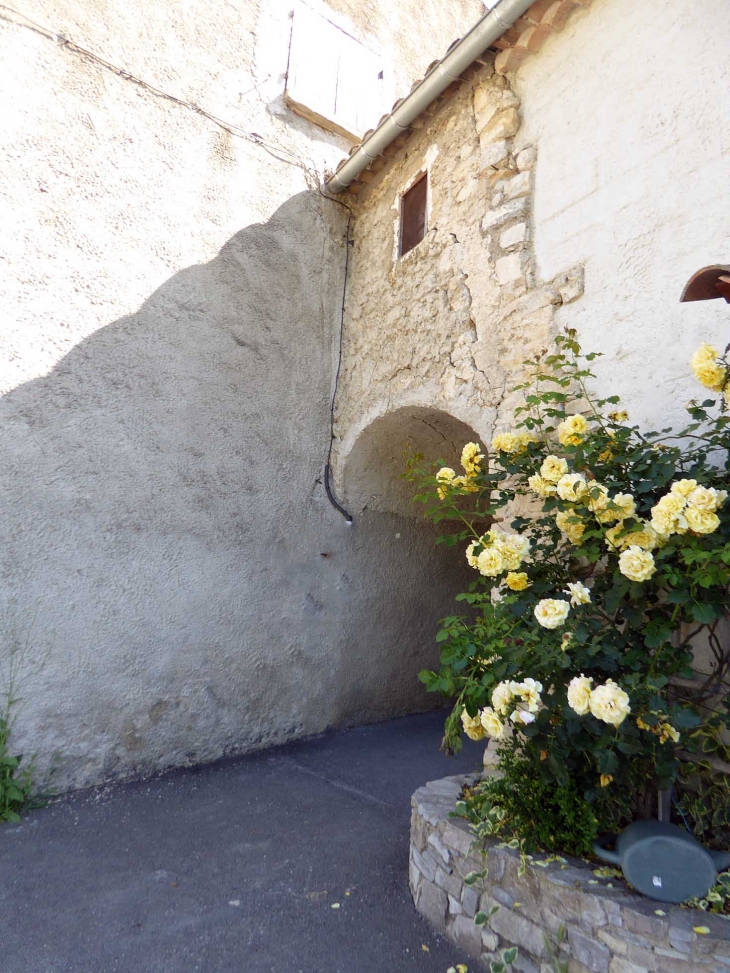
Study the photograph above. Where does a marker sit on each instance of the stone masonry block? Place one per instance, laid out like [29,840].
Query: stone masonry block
[454,906]
[509,268]
[490,940]
[593,955]
[414,877]
[450,883]
[433,905]
[509,211]
[518,931]
[524,964]
[642,956]
[513,236]
[493,154]
[467,935]
[503,125]
[526,158]
[469,900]
[489,101]
[651,926]
[419,832]
[519,185]
[438,846]
[621,965]
[459,839]
[425,864]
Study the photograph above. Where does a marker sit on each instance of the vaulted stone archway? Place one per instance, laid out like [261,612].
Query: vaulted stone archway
[372,472]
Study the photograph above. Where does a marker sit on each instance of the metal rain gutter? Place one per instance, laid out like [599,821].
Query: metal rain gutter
[482,35]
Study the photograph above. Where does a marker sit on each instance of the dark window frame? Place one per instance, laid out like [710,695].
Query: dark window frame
[413,215]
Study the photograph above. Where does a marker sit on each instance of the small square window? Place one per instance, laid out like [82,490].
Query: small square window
[413,215]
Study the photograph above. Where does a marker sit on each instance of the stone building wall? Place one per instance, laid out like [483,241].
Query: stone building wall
[175,584]
[633,131]
[447,326]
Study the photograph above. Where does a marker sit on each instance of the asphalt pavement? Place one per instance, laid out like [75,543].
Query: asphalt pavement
[294,860]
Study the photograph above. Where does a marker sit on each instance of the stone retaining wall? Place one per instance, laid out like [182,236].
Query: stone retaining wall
[608,928]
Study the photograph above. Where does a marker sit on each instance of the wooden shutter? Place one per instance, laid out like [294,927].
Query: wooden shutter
[413,215]
[333,80]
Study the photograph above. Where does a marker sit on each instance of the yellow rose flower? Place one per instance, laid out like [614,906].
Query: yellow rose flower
[551,612]
[579,594]
[572,487]
[514,548]
[492,723]
[472,726]
[701,521]
[471,457]
[465,483]
[626,505]
[471,557]
[667,732]
[706,369]
[502,697]
[597,498]
[571,525]
[605,780]
[667,515]
[609,509]
[644,537]
[512,442]
[635,564]
[445,478]
[572,430]
[707,498]
[543,488]
[517,581]
[619,416]
[490,562]
[553,467]
[529,691]
[683,488]
[579,694]
[610,703]
[505,442]
[641,724]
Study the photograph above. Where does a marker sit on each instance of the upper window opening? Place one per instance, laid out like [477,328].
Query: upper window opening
[413,215]
[333,80]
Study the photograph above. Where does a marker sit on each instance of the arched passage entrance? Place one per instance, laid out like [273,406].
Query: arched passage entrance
[372,475]
[407,582]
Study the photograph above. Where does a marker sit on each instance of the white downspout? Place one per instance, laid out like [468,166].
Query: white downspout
[492,25]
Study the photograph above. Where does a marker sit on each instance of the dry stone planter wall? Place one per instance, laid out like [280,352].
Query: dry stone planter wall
[608,928]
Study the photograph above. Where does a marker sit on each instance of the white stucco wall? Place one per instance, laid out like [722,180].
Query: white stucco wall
[628,108]
[170,302]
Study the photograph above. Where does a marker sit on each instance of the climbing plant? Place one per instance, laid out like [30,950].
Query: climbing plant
[601,558]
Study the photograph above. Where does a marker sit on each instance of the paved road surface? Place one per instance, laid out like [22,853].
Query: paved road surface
[234,866]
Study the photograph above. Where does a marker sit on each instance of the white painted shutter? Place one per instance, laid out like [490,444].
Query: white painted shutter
[333,79]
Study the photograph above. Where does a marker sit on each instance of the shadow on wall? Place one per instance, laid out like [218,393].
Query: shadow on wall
[166,525]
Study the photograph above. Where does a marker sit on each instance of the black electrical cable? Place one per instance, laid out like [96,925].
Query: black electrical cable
[327,467]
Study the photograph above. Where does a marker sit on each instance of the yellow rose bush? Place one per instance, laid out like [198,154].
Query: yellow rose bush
[575,655]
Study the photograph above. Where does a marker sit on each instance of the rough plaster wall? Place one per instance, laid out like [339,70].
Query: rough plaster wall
[412,35]
[171,299]
[447,326]
[632,123]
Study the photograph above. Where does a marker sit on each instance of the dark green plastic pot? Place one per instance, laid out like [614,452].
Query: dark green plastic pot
[663,861]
